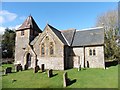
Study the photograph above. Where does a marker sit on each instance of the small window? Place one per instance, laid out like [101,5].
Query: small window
[42,49]
[90,52]
[22,33]
[51,48]
[94,53]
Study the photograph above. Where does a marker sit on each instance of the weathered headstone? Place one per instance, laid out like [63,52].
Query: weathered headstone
[42,67]
[64,79]
[50,73]
[87,64]
[36,69]
[8,70]
[25,67]
[18,67]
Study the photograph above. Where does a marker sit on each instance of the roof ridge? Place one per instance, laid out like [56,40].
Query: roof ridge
[58,34]
[90,29]
[67,30]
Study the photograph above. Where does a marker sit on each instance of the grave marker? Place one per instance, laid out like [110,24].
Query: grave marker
[50,73]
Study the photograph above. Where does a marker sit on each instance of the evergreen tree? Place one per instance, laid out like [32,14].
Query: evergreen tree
[8,43]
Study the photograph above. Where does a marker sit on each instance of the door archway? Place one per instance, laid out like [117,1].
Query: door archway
[28,60]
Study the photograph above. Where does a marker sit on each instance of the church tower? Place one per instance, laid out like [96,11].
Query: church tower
[24,35]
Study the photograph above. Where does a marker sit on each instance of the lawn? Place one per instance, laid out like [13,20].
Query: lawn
[89,78]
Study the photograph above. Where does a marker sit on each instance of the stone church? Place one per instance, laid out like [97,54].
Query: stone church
[58,49]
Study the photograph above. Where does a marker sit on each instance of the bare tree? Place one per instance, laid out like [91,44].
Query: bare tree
[109,19]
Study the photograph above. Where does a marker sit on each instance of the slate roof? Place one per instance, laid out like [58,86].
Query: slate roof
[89,37]
[73,37]
[29,23]
[58,33]
[69,35]
[35,39]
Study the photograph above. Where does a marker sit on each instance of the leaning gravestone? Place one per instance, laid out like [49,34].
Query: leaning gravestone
[42,67]
[50,73]
[8,70]
[64,79]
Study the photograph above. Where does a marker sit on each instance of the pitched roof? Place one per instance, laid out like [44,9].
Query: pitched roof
[73,37]
[58,33]
[89,37]
[29,23]
[35,39]
[69,35]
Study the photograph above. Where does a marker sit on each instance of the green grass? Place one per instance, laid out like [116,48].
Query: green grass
[89,78]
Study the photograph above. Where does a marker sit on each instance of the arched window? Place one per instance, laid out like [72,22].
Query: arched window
[42,49]
[90,52]
[51,48]
[94,53]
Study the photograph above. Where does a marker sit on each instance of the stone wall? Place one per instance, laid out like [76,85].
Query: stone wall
[21,42]
[78,57]
[95,61]
[91,61]
[55,61]
[22,48]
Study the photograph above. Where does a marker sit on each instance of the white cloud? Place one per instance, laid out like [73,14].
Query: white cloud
[6,16]
[2,29]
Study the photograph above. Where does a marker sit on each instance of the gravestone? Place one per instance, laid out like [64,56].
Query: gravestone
[42,67]
[66,80]
[8,70]
[87,64]
[25,67]
[50,73]
[18,67]
[36,69]
[79,68]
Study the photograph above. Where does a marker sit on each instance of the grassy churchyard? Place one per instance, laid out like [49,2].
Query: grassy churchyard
[89,78]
